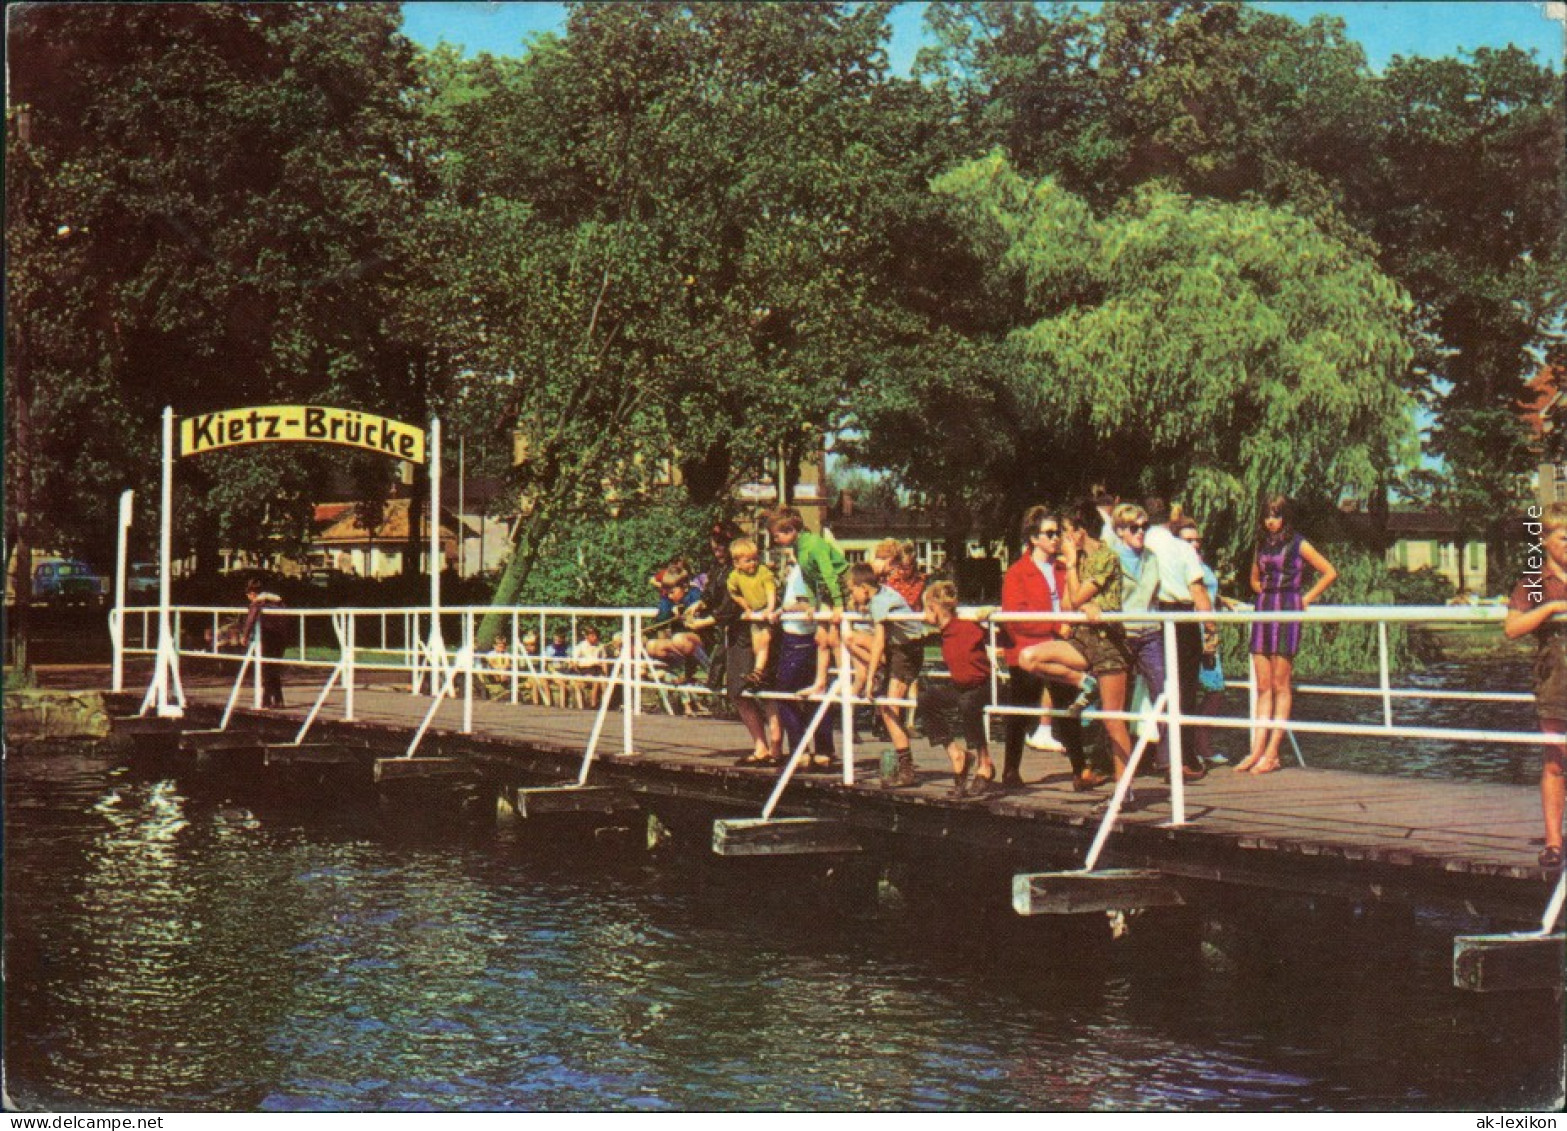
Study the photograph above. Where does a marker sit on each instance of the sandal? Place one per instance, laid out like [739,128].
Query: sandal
[1551,857]
[757,760]
[1087,780]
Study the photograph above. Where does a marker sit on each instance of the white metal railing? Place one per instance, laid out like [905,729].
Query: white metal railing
[370,640]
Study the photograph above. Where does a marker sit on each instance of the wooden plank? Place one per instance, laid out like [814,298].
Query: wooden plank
[1496,963]
[395,771]
[1079,893]
[324,755]
[212,741]
[782,836]
[139,725]
[544,800]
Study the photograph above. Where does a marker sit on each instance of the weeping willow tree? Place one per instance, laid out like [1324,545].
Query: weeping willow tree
[1214,353]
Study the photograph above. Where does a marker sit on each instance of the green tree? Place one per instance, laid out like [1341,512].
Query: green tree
[213,204]
[656,285]
[1469,215]
[1205,351]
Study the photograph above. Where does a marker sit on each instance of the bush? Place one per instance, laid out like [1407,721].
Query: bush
[1423,586]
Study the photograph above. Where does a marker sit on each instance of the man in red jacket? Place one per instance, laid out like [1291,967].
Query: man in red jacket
[1035,583]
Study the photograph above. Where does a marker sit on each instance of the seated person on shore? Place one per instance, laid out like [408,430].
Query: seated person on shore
[952,713]
[557,655]
[529,661]
[587,659]
[754,588]
[901,644]
[496,680]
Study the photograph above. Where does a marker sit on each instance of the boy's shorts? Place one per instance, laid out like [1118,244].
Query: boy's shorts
[1550,679]
[949,712]
[905,660]
[1104,647]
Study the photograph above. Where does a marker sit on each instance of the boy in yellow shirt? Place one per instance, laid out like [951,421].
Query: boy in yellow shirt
[754,588]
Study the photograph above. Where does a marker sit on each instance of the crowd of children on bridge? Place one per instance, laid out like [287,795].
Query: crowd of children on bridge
[769,639]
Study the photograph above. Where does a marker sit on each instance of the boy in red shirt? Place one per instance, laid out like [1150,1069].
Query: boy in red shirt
[953,714]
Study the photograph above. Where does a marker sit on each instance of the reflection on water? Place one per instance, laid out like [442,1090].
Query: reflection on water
[171,952]
[1497,762]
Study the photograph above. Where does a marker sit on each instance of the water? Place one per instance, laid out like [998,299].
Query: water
[171,951]
[1513,764]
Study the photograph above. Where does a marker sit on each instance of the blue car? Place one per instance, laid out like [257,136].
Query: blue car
[69,583]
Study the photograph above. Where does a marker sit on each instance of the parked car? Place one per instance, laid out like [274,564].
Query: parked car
[68,583]
[141,582]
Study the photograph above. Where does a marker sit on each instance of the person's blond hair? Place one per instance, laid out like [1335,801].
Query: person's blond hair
[942,594]
[1554,518]
[1128,513]
[744,546]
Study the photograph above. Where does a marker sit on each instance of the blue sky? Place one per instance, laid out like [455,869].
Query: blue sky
[1401,27]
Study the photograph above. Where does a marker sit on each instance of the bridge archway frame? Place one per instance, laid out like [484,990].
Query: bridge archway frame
[165,694]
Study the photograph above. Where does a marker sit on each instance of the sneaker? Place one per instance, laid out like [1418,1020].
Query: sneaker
[1085,696]
[1044,739]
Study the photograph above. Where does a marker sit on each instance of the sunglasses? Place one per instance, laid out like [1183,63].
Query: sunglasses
[1053,532]
[1137,528]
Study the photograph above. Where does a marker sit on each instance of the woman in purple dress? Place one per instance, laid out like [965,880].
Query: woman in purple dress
[1278,576]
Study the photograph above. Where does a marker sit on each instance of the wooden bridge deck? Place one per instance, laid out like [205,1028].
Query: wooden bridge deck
[1468,845]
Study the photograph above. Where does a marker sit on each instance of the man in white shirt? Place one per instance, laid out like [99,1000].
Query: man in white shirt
[1181,589]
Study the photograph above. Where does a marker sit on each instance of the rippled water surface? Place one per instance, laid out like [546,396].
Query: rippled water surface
[174,952]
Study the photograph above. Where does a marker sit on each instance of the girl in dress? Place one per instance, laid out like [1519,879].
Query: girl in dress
[1278,574]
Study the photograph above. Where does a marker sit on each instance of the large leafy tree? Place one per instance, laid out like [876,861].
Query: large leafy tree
[1215,351]
[712,208]
[207,211]
[1448,171]
[1469,214]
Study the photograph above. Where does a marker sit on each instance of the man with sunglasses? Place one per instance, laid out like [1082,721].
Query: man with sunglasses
[1037,582]
[1179,587]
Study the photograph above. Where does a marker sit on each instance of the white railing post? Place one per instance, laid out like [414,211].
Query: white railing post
[846,690]
[1123,786]
[629,690]
[1382,662]
[117,616]
[349,639]
[467,699]
[516,647]
[1174,709]
[411,650]
[261,657]
[1251,703]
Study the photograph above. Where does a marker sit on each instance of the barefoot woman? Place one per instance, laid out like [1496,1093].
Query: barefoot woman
[1278,573]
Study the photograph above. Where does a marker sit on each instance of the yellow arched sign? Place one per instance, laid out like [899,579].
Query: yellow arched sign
[315,424]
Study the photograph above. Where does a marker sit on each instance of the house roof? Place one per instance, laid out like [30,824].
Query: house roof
[345,528]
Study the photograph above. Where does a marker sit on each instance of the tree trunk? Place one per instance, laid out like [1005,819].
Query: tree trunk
[418,539]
